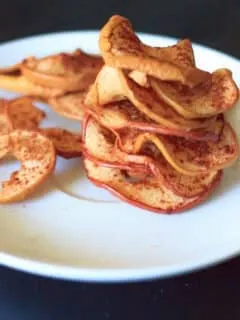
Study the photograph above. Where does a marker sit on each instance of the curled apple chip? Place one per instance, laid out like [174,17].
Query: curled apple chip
[22,114]
[182,184]
[99,142]
[123,114]
[20,84]
[37,156]
[70,105]
[114,85]
[66,71]
[99,146]
[217,95]
[121,48]
[187,156]
[67,144]
[180,53]
[150,194]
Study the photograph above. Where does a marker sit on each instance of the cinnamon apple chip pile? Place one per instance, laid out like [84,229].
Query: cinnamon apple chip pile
[62,80]
[154,131]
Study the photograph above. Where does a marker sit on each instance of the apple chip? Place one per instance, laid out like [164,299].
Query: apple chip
[22,114]
[187,156]
[123,114]
[121,48]
[67,144]
[70,105]
[37,156]
[113,85]
[150,194]
[98,144]
[217,95]
[100,147]
[66,71]
[20,84]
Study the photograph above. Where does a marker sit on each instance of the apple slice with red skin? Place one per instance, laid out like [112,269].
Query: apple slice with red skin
[113,85]
[150,194]
[122,114]
[187,156]
[99,146]
[99,143]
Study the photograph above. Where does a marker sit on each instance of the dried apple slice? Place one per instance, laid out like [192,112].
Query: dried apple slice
[180,54]
[22,114]
[67,144]
[123,114]
[107,87]
[213,97]
[19,84]
[65,71]
[69,105]
[98,144]
[100,147]
[150,194]
[121,48]
[182,184]
[37,156]
[187,156]
[113,85]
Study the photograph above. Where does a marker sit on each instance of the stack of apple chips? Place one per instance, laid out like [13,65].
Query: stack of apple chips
[154,131]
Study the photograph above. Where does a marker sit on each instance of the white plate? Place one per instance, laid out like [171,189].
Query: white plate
[73,230]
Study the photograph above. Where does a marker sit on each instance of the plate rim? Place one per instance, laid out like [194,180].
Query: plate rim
[95,31]
[111,275]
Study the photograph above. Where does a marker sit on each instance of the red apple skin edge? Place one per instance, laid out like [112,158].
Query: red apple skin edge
[117,165]
[196,135]
[235,145]
[148,168]
[155,210]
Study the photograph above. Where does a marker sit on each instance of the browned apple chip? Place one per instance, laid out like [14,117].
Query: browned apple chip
[66,71]
[70,105]
[121,48]
[37,156]
[22,114]
[150,194]
[67,144]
